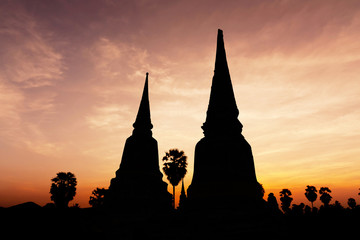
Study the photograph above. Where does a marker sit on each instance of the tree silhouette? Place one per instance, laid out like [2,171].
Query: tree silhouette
[63,189]
[352,203]
[285,200]
[298,210]
[310,193]
[97,200]
[174,168]
[337,208]
[325,197]
[272,203]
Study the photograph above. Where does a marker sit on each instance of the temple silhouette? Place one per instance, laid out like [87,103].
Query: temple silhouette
[138,184]
[224,176]
[224,173]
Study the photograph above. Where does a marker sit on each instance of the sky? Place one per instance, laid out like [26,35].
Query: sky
[72,75]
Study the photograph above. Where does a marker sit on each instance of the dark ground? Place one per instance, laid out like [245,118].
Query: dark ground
[71,223]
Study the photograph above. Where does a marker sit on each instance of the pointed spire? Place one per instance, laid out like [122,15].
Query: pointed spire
[182,188]
[182,201]
[222,105]
[143,120]
[221,66]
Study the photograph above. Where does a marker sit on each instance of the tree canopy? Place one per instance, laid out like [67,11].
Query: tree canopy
[97,198]
[285,200]
[325,197]
[63,189]
[310,193]
[175,163]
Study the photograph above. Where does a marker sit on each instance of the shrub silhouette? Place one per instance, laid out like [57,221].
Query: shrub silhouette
[352,203]
[298,210]
[63,189]
[174,168]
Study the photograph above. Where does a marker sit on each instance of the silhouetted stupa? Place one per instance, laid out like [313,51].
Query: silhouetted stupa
[138,183]
[224,173]
[182,201]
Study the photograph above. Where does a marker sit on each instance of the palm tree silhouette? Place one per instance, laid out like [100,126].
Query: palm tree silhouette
[310,193]
[325,196]
[63,189]
[174,167]
[285,200]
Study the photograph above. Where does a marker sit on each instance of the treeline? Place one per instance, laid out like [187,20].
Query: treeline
[63,190]
[311,194]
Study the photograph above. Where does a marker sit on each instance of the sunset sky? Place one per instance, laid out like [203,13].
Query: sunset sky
[72,74]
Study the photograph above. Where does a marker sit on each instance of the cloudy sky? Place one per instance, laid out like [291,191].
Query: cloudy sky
[72,73]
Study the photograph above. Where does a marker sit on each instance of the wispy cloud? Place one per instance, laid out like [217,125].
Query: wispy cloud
[10,101]
[109,117]
[29,64]
[115,60]
[28,58]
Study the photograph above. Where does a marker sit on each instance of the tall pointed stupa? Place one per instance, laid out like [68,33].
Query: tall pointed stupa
[138,183]
[224,173]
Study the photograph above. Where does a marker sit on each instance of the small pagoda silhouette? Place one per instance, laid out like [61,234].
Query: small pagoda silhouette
[183,198]
[224,173]
[138,184]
